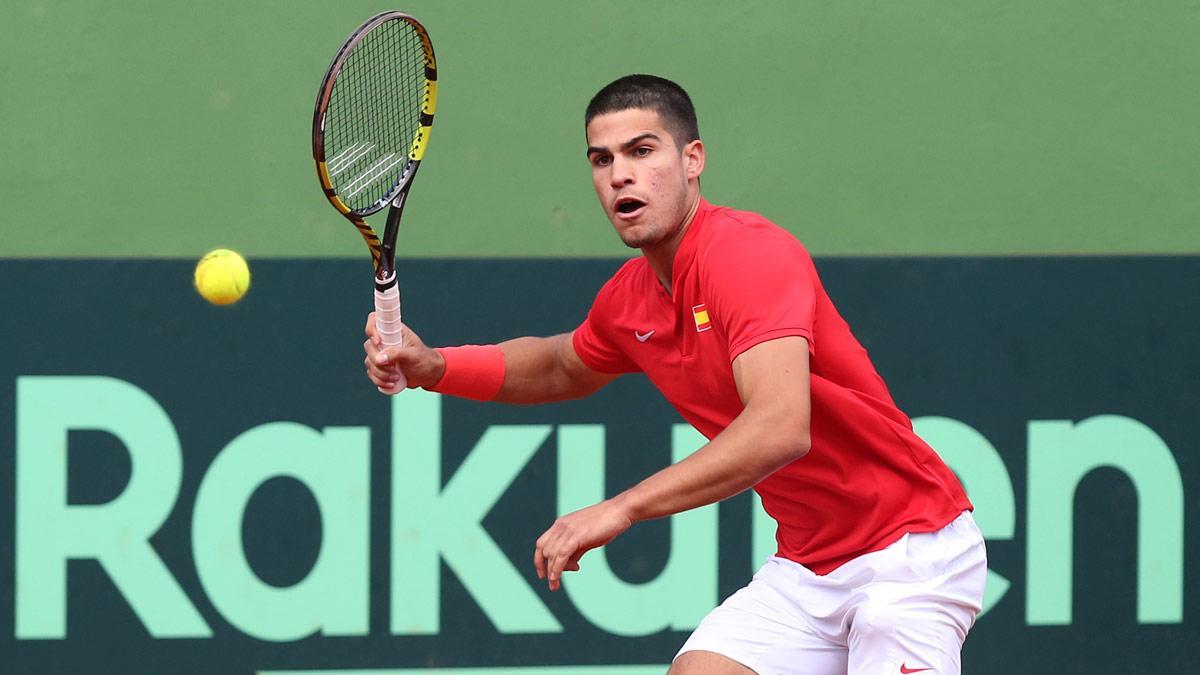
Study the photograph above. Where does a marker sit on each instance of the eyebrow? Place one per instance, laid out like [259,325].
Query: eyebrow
[626,145]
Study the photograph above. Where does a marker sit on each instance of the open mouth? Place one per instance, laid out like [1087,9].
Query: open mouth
[628,206]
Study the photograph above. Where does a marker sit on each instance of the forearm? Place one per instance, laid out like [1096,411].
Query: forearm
[537,371]
[752,447]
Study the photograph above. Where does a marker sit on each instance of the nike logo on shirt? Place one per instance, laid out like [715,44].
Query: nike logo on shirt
[905,669]
[642,337]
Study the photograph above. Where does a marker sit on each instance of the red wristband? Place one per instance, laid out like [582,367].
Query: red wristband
[472,371]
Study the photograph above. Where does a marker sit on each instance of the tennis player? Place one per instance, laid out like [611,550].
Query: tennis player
[880,567]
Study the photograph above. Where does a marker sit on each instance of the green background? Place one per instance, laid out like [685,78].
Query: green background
[167,128]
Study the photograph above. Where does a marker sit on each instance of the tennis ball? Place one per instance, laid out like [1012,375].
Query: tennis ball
[222,277]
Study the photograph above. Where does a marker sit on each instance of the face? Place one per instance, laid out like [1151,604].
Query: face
[647,185]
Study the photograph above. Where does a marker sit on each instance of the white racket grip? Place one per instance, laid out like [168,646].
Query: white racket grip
[388,326]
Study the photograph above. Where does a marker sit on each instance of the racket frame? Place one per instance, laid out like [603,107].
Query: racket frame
[383,251]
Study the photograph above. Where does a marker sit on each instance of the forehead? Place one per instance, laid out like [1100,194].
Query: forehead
[611,129]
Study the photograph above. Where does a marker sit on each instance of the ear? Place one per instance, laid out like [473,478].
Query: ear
[693,159]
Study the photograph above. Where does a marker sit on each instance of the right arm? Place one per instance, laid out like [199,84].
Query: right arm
[541,370]
[537,370]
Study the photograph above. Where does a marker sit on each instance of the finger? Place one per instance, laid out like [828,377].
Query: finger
[385,385]
[541,547]
[397,357]
[547,544]
[386,355]
[556,567]
[383,382]
[370,347]
[387,359]
[380,375]
[539,562]
[369,329]
[373,349]
[371,361]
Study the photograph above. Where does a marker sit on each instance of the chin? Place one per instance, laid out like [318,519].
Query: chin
[634,239]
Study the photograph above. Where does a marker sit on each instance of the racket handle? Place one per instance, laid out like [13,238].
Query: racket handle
[387,322]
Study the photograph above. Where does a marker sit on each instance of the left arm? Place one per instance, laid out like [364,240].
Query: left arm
[771,431]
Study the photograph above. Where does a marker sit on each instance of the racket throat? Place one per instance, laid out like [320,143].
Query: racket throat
[385,277]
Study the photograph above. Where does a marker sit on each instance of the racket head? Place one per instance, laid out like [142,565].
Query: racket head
[373,117]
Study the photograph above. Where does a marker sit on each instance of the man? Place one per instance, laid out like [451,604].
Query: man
[880,567]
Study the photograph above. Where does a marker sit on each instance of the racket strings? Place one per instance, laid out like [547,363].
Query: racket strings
[374,114]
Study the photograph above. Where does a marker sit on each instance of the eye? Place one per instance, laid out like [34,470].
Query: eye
[601,160]
[642,151]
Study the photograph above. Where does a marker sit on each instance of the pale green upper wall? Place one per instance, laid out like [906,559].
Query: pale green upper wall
[168,128]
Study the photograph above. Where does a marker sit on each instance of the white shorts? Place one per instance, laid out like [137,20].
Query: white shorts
[904,609]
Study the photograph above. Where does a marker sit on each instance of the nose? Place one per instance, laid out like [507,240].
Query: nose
[622,172]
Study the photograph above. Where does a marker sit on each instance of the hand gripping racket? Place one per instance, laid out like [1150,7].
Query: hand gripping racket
[371,126]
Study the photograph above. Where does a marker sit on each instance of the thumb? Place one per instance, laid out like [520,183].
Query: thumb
[403,357]
[387,355]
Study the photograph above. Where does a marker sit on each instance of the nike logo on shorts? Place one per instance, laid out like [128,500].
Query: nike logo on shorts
[642,337]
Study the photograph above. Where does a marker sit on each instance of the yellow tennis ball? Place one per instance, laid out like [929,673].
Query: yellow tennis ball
[222,277]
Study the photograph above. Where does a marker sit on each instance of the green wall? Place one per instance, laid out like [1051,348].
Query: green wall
[168,128]
[300,522]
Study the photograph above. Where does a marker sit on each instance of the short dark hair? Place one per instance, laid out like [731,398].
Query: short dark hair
[669,100]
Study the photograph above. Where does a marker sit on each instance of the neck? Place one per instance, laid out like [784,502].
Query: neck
[661,255]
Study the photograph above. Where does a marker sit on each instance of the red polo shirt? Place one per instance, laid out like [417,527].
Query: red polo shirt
[739,280]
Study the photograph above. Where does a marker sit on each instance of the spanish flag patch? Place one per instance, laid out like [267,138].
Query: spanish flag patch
[700,314]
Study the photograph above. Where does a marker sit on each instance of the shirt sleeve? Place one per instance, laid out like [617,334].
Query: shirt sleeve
[593,343]
[761,285]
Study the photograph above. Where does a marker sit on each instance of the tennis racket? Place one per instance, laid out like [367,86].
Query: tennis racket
[371,126]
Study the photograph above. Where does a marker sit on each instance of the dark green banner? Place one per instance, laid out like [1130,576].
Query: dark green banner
[192,489]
